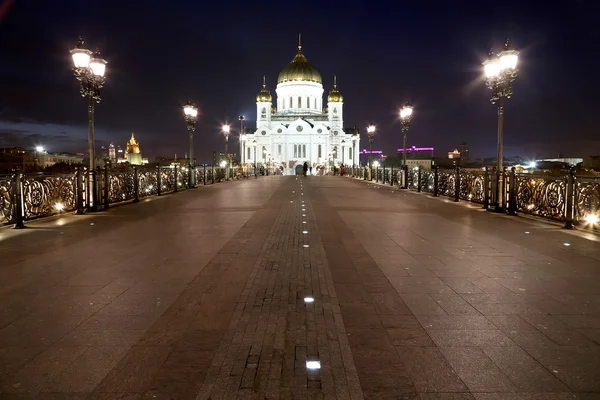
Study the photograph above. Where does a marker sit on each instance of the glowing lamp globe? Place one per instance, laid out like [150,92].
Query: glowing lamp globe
[508,59]
[81,57]
[225,129]
[97,65]
[492,68]
[406,111]
[371,128]
[189,110]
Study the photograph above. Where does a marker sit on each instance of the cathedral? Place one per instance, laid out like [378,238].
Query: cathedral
[296,128]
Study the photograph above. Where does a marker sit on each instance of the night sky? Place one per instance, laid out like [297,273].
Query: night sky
[161,53]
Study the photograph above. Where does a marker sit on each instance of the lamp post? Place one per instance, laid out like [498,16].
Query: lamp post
[255,161]
[225,129]
[405,116]
[500,71]
[190,114]
[354,140]
[89,70]
[243,139]
[370,134]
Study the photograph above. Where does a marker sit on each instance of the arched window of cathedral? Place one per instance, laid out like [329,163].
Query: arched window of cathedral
[308,102]
[319,151]
[299,102]
[249,155]
[263,112]
[291,105]
[304,150]
[278,149]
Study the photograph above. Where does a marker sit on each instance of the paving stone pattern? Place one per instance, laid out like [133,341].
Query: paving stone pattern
[200,295]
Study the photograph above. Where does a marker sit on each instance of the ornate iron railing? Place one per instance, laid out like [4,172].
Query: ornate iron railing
[571,199]
[44,195]
[121,186]
[6,199]
[544,196]
[25,197]
[587,198]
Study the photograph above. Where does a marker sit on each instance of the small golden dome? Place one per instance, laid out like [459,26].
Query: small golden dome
[335,95]
[299,69]
[264,96]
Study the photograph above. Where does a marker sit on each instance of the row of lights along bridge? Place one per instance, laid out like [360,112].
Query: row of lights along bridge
[500,71]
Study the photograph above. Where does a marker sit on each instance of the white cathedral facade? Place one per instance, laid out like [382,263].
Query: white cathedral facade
[296,128]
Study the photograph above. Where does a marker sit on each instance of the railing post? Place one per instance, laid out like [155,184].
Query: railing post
[570,198]
[457,184]
[190,180]
[204,179]
[419,179]
[136,184]
[212,174]
[486,188]
[158,181]
[392,176]
[79,190]
[92,192]
[436,180]
[106,187]
[17,199]
[176,181]
[405,177]
[512,192]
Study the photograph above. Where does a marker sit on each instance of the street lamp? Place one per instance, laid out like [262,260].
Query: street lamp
[500,71]
[370,134]
[255,161]
[89,70]
[190,114]
[405,116]
[225,130]
[354,140]
[243,139]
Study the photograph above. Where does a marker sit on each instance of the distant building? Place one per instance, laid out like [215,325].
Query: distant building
[363,156]
[418,156]
[112,153]
[133,153]
[455,154]
[463,148]
[592,162]
[28,160]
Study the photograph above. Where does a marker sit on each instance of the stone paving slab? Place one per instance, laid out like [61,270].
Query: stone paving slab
[201,295]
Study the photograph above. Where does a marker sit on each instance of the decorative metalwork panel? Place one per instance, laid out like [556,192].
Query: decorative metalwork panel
[183,177]
[219,174]
[541,195]
[121,186]
[413,176]
[167,179]
[6,198]
[587,198]
[445,183]
[199,175]
[472,186]
[45,195]
[147,182]
[427,180]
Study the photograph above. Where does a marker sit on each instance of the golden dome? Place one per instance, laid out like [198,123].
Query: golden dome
[335,95]
[264,96]
[299,70]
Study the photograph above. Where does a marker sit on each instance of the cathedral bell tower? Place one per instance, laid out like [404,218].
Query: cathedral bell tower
[263,105]
[335,104]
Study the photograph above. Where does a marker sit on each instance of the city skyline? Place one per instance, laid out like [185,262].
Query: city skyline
[432,61]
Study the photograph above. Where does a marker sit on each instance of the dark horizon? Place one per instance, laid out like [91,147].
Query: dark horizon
[159,57]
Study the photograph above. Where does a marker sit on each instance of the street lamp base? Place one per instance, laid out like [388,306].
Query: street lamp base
[497,209]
